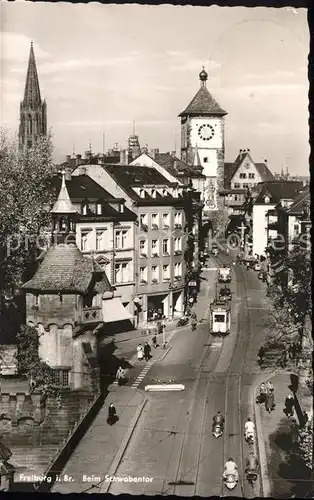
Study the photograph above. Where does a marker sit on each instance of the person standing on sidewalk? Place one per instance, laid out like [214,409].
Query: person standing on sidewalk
[154,340]
[140,352]
[112,414]
[289,404]
[147,351]
[269,386]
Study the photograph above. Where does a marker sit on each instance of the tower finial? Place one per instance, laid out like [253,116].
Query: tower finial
[203,77]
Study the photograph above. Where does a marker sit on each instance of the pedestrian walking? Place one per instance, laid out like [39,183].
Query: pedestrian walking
[269,386]
[261,355]
[147,351]
[270,401]
[262,393]
[112,414]
[121,375]
[154,340]
[289,406]
[284,359]
[140,352]
[193,316]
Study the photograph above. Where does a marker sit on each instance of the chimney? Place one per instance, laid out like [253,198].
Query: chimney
[68,174]
[82,170]
[101,159]
[68,158]
[126,157]
[265,161]
[88,155]
[173,153]
[248,150]
[122,157]
[78,160]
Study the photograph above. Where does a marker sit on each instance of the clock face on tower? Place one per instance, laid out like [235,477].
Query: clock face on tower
[206,132]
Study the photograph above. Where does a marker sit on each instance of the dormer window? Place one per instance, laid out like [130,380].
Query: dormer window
[142,193]
[164,192]
[98,209]
[266,199]
[84,209]
[153,193]
[121,208]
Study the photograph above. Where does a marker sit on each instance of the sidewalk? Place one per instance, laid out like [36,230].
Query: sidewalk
[283,473]
[102,446]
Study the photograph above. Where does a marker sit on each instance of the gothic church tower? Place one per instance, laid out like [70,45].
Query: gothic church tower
[33,111]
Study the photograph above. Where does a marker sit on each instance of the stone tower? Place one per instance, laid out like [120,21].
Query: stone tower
[202,130]
[33,111]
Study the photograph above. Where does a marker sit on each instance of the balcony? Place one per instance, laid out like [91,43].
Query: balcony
[143,255]
[178,252]
[144,227]
[178,226]
[91,315]
[165,226]
[155,227]
[155,254]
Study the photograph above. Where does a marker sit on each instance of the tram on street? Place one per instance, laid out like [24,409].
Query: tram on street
[220,317]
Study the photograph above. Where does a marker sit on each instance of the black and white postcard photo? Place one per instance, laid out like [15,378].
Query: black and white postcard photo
[155,250]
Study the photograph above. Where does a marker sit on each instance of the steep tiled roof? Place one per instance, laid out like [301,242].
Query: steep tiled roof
[278,190]
[128,176]
[297,206]
[229,171]
[264,172]
[203,103]
[66,269]
[82,186]
[177,167]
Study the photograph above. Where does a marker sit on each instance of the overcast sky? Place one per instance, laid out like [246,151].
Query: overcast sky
[113,64]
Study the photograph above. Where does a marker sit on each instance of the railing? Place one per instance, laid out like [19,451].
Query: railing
[92,315]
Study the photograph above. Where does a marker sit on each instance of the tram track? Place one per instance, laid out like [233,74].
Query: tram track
[233,384]
[242,348]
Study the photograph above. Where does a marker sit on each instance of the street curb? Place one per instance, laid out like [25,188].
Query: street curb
[265,483]
[123,446]
[165,354]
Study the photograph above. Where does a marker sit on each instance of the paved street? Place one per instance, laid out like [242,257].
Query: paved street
[172,442]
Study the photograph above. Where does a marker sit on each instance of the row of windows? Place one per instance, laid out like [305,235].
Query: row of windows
[243,175]
[175,192]
[158,273]
[160,220]
[237,185]
[155,247]
[120,239]
[96,208]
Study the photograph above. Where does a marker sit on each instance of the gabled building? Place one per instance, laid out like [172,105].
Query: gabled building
[105,230]
[241,179]
[69,300]
[294,221]
[264,216]
[160,235]
[33,110]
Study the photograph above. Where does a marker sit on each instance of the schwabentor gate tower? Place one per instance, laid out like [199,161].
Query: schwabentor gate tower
[202,130]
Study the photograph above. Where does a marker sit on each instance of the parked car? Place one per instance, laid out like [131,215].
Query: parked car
[214,251]
[262,276]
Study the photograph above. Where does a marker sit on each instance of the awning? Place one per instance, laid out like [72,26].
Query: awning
[113,310]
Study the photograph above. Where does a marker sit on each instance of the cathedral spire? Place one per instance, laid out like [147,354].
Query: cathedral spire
[33,111]
[32,91]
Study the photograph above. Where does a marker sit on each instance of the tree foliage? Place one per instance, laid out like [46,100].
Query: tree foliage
[306,443]
[29,363]
[290,297]
[25,199]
